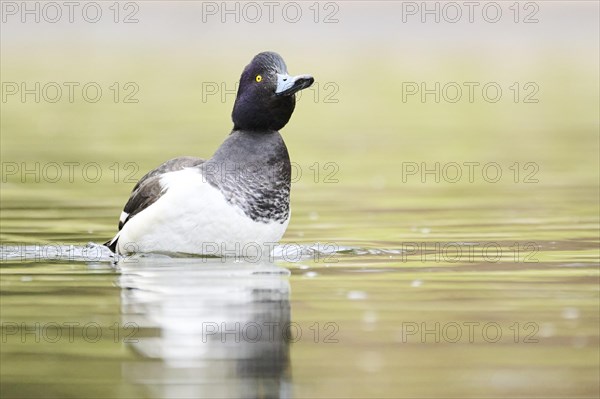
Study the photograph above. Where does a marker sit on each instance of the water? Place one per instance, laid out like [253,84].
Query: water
[462,303]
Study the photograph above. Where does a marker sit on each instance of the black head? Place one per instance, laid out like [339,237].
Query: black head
[266,94]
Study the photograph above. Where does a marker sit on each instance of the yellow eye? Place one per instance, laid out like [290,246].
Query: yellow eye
[258,78]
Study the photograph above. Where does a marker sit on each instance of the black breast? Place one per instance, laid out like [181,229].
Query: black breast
[252,170]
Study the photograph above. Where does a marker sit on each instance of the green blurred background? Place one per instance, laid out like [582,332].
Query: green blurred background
[359,121]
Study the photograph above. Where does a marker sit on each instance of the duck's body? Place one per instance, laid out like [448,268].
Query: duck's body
[236,202]
[212,207]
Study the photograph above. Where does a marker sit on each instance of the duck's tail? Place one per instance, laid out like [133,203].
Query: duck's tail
[112,244]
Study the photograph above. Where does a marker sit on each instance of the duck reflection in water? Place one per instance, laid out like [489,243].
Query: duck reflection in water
[207,327]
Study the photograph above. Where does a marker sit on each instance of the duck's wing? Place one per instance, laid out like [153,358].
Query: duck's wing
[148,190]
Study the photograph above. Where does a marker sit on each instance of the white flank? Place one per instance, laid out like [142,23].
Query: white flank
[123,217]
[194,217]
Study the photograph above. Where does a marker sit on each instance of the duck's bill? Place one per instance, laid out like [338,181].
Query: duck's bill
[288,85]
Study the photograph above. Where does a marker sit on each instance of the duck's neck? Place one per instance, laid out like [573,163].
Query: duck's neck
[251,113]
[244,147]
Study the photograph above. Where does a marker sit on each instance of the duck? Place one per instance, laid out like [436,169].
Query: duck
[234,203]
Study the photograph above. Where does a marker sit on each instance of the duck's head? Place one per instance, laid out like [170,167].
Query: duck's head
[266,95]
